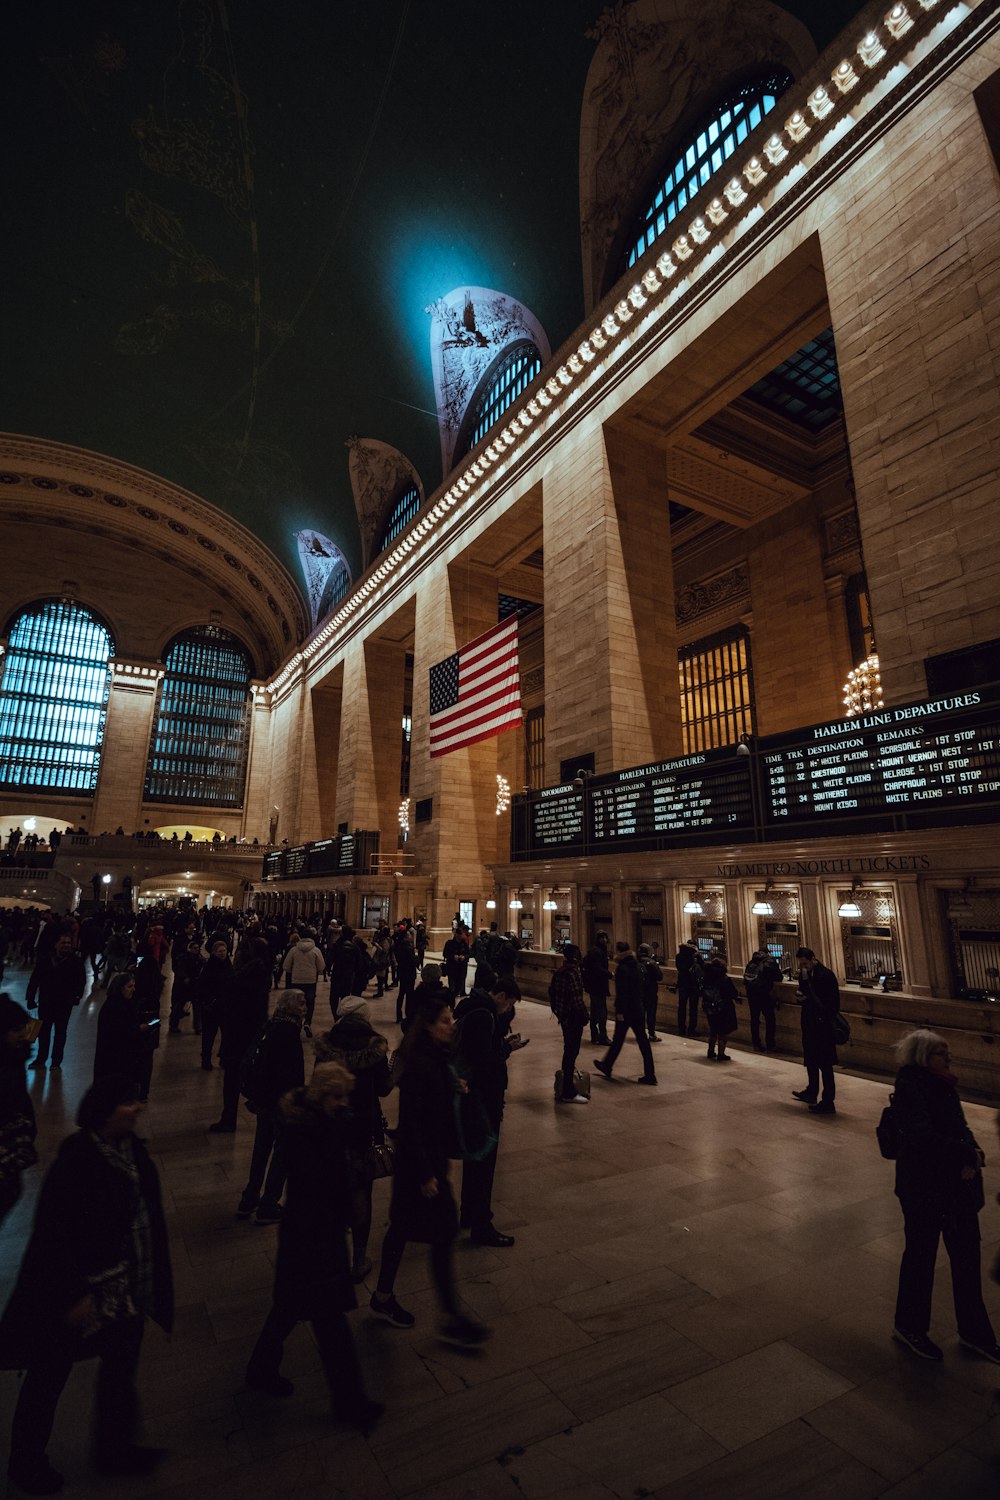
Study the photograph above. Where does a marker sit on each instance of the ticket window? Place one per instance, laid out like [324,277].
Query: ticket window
[374,911]
[525,928]
[708,928]
[870,941]
[561,929]
[779,933]
[466,913]
[973,918]
[597,908]
[646,917]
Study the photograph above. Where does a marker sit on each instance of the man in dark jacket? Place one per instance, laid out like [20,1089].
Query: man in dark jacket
[58,980]
[406,969]
[348,969]
[629,1015]
[597,983]
[570,1010]
[456,962]
[820,1003]
[759,978]
[652,977]
[274,1067]
[481,1053]
[689,981]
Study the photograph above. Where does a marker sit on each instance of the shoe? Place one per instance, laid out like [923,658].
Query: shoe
[724,1057]
[710,1056]
[990,1351]
[307,1032]
[651,1081]
[824,1107]
[693,1031]
[653,1037]
[364,1415]
[132,1459]
[463,1330]
[389,1310]
[39,1062]
[271,1384]
[247,1207]
[919,1344]
[605,1041]
[757,1047]
[35,1478]
[269,1215]
[360,1270]
[602,1067]
[492,1237]
[572,1099]
[221,1128]
[804,1095]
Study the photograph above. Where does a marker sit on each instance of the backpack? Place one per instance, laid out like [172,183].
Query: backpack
[887,1132]
[754,971]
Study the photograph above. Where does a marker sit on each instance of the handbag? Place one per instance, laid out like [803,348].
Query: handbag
[841,1029]
[380,1160]
[475,1137]
[581,1082]
[887,1132]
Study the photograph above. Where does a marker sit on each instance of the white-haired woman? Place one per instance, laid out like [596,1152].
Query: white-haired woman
[939,1183]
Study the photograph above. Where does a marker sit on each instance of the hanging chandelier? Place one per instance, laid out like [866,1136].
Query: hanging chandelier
[863,688]
[503,794]
[404,816]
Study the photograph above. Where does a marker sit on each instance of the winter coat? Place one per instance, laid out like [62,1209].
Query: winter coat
[820,1003]
[425,1140]
[629,988]
[365,1054]
[56,981]
[242,1011]
[312,1270]
[121,1046]
[281,1065]
[83,1228]
[349,966]
[17,1127]
[652,976]
[406,958]
[935,1142]
[596,973]
[304,963]
[480,1052]
[215,981]
[456,961]
[690,970]
[718,1000]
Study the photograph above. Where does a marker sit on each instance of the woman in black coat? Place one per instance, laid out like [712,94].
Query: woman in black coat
[17,1114]
[312,1281]
[939,1184]
[423,1208]
[121,1047]
[718,1001]
[356,1045]
[242,1015]
[96,1266]
[148,988]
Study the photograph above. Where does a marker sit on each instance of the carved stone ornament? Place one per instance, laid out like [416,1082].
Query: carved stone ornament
[709,594]
[842,532]
[379,476]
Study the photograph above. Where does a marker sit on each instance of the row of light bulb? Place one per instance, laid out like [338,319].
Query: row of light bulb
[870,51]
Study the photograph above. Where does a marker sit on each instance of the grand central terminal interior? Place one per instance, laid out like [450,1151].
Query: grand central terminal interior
[537,469]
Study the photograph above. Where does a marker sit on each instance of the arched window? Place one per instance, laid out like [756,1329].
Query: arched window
[711,144]
[334,590]
[403,512]
[54,699]
[716,679]
[201,729]
[507,378]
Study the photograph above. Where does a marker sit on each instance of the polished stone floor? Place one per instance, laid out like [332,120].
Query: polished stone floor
[698,1304]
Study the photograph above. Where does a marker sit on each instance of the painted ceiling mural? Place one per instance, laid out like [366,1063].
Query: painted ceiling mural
[224,225]
[324,568]
[379,475]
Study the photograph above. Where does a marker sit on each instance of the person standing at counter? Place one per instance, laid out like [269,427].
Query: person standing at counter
[820,1003]
[597,983]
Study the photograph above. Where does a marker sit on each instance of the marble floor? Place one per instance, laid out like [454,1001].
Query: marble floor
[698,1304]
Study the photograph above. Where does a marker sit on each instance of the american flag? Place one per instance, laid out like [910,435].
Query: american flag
[476,693]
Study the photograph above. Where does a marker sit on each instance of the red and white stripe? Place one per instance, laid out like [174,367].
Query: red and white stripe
[489,692]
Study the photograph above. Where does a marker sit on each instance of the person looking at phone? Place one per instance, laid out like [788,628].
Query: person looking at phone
[122,1034]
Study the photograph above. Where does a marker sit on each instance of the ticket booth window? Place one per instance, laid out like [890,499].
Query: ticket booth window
[973,918]
[562,928]
[708,927]
[645,909]
[870,940]
[778,932]
[525,924]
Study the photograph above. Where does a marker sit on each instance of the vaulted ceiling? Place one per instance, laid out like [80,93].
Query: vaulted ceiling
[224,221]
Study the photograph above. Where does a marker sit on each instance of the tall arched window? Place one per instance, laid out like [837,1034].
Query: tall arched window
[403,512]
[711,144]
[507,378]
[201,730]
[54,699]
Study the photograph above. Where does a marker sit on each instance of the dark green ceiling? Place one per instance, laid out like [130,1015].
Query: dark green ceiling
[223,220]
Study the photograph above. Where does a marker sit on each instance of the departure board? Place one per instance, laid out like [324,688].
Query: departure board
[896,761]
[556,819]
[347,854]
[689,798]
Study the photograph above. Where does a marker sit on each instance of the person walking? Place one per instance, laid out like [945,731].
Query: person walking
[274,1068]
[820,1003]
[690,973]
[96,1267]
[186,961]
[354,1043]
[597,983]
[630,1015]
[718,1001]
[58,980]
[212,990]
[939,1184]
[242,1015]
[759,978]
[652,977]
[422,1208]
[406,969]
[570,1010]
[348,970]
[17,1113]
[481,1050]
[303,967]
[312,1280]
[121,1046]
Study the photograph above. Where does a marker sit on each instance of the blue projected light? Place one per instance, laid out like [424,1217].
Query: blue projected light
[54,699]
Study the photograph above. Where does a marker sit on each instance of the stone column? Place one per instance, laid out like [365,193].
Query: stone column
[610,642]
[128,726]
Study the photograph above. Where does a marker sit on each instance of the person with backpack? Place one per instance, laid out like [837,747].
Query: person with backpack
[690,974]
[652,976]
[273,1066]
[629,1016]
[596,973]
[570,1010]
[759,978]
[718,1001]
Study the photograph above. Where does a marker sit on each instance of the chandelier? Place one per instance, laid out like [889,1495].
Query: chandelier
[863,688]
[503,794]
[404,816]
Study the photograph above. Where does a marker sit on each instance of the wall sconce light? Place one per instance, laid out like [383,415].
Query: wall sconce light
[491,905]
[549,905]
[516,903]
[693,907]
[850,907]
[762,906]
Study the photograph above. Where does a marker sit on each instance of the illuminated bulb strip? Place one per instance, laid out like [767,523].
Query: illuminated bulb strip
[622,311]
[682,247]
[796,126]
[637,296]
[820,103]
[755,171]
[665,265]
[699,231]
[844,76]
[651,282]
[598,339]
[871,51]
[610,326]
[898,21]
[717,211]
[775,150]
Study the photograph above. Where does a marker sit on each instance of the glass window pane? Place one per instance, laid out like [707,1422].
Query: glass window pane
[201,731]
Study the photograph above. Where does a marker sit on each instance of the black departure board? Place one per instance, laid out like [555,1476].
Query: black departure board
[347,854]
[556,819]
[296,861]
[690,797]
[897,761]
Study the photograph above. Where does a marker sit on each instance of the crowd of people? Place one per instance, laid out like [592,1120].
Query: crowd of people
[317,1088]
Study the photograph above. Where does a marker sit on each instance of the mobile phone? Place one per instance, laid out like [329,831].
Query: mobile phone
[153,1023]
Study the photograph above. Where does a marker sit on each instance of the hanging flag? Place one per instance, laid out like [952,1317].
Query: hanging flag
[476,693]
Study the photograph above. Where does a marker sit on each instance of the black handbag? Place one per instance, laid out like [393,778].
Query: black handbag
[380,1158]
[887,1132]
[841,1029]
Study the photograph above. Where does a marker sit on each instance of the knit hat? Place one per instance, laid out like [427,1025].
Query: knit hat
[645,951]
[353,1005]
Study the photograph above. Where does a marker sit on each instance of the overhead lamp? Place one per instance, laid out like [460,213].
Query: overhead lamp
[491,905]
[549,905]
[693,907]
[762,909]
[850,907]
[516,903]
[105,879]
